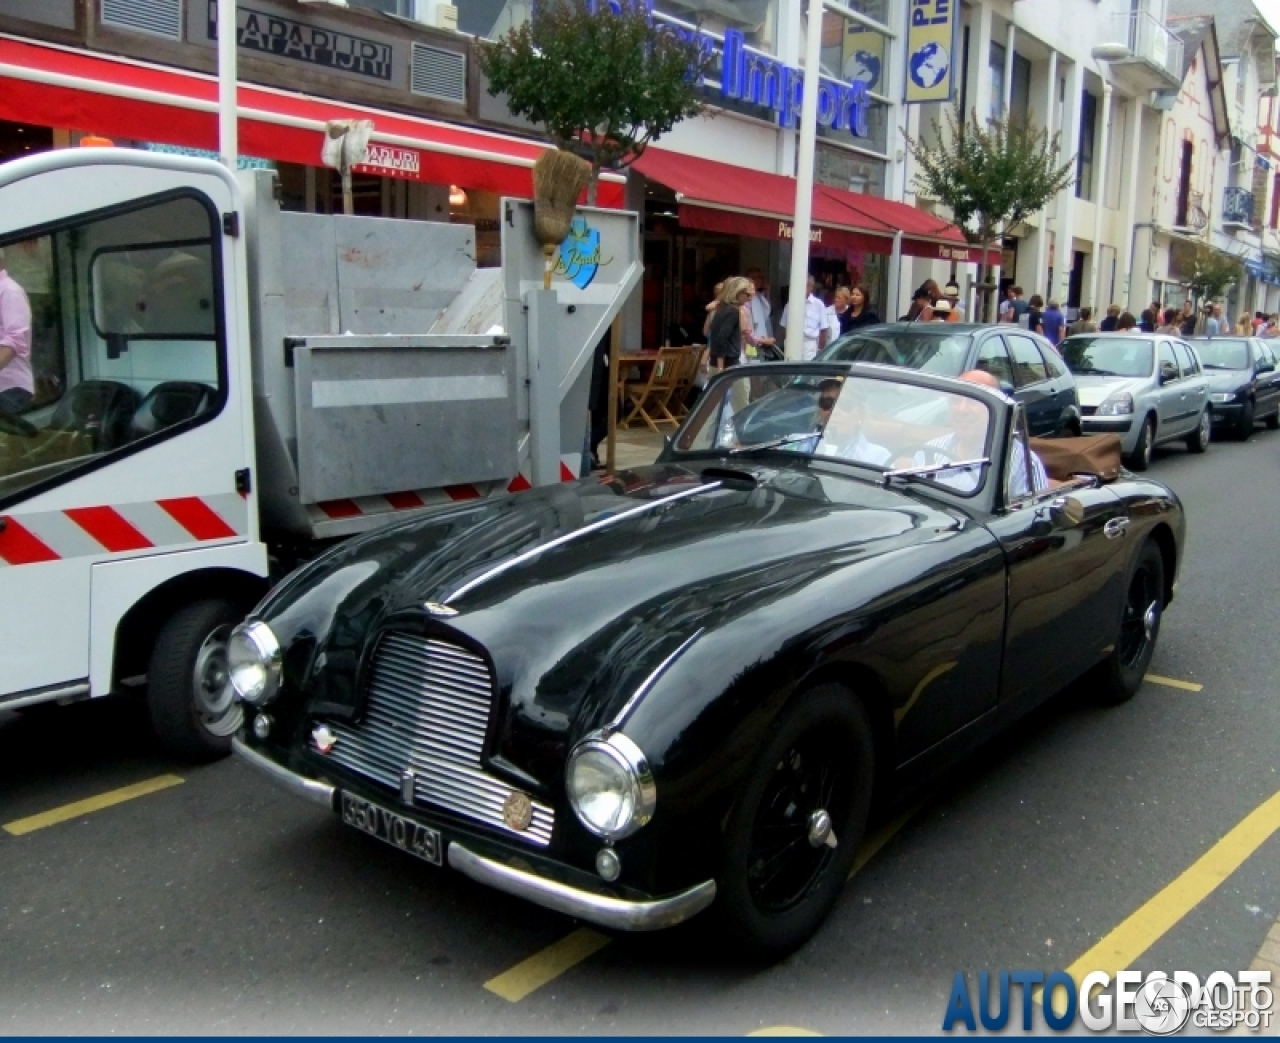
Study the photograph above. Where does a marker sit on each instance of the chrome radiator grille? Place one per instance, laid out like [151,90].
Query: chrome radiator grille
[428,709]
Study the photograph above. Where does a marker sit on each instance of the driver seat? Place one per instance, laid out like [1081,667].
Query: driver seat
[101,409]
[170,403]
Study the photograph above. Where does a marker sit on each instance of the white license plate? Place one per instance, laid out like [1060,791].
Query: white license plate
[396,830]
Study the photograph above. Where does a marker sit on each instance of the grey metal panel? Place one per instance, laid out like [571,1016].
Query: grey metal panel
[398,276]
[309,274]
[391,414]
[59,13]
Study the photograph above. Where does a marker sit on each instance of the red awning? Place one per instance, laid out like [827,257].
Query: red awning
[79,90]
[723,198]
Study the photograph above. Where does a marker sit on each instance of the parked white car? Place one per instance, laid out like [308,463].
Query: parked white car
[1147,388]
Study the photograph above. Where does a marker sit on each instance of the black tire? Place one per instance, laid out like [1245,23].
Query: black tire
[1198,440]
[1244,426]
[1119,676]
[1140,458]
[1273,420]
[194,721]
[821,756]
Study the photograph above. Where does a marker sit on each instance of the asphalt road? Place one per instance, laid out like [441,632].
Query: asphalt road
[219,905]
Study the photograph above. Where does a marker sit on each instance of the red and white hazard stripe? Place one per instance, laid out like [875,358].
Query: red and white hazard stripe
[29,539]
[416,499]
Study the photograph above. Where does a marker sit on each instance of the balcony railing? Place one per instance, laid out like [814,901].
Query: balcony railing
[1237,206]
[1146,38]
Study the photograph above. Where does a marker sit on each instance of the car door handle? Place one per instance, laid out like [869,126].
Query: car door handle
[1116,528]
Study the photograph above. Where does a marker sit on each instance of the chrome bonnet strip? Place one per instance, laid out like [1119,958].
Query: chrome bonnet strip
[618,913]
[621,716]
[586,530]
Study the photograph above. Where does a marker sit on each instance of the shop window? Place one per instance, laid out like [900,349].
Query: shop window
[23,139]
[756,19]
[1084,156]
[127,342]
[852,51]
[1020,93]
[995,72]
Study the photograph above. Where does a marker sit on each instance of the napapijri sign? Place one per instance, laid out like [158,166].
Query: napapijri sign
[395,162]
[313,44]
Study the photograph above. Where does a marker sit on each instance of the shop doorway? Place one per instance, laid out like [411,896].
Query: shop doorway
[23,139]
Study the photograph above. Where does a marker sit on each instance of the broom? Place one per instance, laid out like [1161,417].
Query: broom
[558,179]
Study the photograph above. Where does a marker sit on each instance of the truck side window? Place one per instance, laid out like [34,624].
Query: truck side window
[125,343]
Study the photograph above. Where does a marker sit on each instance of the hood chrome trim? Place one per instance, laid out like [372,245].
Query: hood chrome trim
[569,537]
[621,716]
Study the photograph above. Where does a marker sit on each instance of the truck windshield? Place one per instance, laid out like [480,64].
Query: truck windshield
[110,334]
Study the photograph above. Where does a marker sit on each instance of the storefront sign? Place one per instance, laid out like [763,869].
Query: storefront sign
[327,48]
[757,79]
[787,231]
[760,80]
[931,46]
[391,161]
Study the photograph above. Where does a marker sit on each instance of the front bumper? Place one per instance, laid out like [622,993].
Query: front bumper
[1225,412]
[606,910]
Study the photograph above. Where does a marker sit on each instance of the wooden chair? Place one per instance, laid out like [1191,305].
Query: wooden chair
[689,374]
[649,400]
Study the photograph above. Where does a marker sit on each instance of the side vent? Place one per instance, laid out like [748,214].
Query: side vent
[157,17]
[438,73]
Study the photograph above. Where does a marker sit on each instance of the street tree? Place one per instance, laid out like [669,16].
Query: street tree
[603,78]
[991,175]
[1212,271]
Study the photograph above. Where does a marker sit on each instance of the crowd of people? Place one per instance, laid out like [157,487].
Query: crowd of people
[1188,321]
[739,322]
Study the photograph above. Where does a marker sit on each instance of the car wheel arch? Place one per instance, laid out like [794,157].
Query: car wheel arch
[1163,537]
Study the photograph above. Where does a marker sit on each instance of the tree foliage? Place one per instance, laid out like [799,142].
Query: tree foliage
[990,175]
[1212,271]
[603,78]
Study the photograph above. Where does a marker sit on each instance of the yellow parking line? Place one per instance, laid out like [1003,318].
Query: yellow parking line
[783,1030]
[67,812]
[1173,682]
[542,967]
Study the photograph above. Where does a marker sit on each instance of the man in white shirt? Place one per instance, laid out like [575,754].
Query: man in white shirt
[815,322]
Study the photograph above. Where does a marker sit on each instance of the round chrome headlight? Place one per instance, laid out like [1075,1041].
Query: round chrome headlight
[254,662]
[610,786]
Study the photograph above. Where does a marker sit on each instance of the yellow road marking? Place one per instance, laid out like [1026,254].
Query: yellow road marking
[1173,682]
[109,799]
[530,975]
[1119,949]
[783,1030]
[543,967]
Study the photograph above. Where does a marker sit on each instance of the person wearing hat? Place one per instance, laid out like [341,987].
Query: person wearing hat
[952,293]
[941,311]
[921,307]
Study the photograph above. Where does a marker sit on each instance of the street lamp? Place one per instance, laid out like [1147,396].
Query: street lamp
[804,184]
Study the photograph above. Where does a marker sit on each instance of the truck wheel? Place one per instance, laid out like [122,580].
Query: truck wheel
[792,837]
[194,711]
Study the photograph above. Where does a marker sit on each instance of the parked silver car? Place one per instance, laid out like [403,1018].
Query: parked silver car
[1146,387]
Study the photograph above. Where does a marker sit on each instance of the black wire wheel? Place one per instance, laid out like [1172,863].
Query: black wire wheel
[1120,674]
[793,834]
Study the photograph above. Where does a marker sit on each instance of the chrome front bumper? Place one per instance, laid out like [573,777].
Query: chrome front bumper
[618,913]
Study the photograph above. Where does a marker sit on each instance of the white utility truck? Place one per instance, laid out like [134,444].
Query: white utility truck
[222,388]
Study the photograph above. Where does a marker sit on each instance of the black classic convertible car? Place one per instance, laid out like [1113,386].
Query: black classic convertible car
[642,695]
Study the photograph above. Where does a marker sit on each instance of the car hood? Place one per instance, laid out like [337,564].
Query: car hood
[1093,391]
[577,592]
[1222,380]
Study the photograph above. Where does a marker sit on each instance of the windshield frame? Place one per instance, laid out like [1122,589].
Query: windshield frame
[1000,407]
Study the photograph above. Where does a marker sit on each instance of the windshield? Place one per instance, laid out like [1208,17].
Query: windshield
[1223,354]
[1107,356]
[913,348]
[876,423]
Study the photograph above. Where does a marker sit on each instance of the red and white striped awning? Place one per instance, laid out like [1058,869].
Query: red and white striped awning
[75,89]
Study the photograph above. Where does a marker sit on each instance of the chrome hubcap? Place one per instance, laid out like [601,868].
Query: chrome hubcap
[820,831]
[211,684]
[1150,618]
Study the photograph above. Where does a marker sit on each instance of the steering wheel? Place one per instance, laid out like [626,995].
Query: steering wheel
[15,425]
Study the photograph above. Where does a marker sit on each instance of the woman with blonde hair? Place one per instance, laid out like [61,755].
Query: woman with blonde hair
[1244,325]
[725,332]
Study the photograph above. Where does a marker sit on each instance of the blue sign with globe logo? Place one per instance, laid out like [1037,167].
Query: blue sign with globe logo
[931,34]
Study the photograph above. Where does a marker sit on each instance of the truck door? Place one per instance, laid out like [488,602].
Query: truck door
[124,438]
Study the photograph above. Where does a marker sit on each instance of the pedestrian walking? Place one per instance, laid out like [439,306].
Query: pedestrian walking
[724,332]
[860,311]
[1033,318]
[1108,324]
[1017,306]
[1053,322]
[1187,320]
[1169,323]
[1147,321]
[814,322]
[1126,323]
[951,292]
[1085,323]
[1244,325]
[1213,325]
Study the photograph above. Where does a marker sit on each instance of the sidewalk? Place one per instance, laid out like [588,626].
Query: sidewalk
[636,447]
